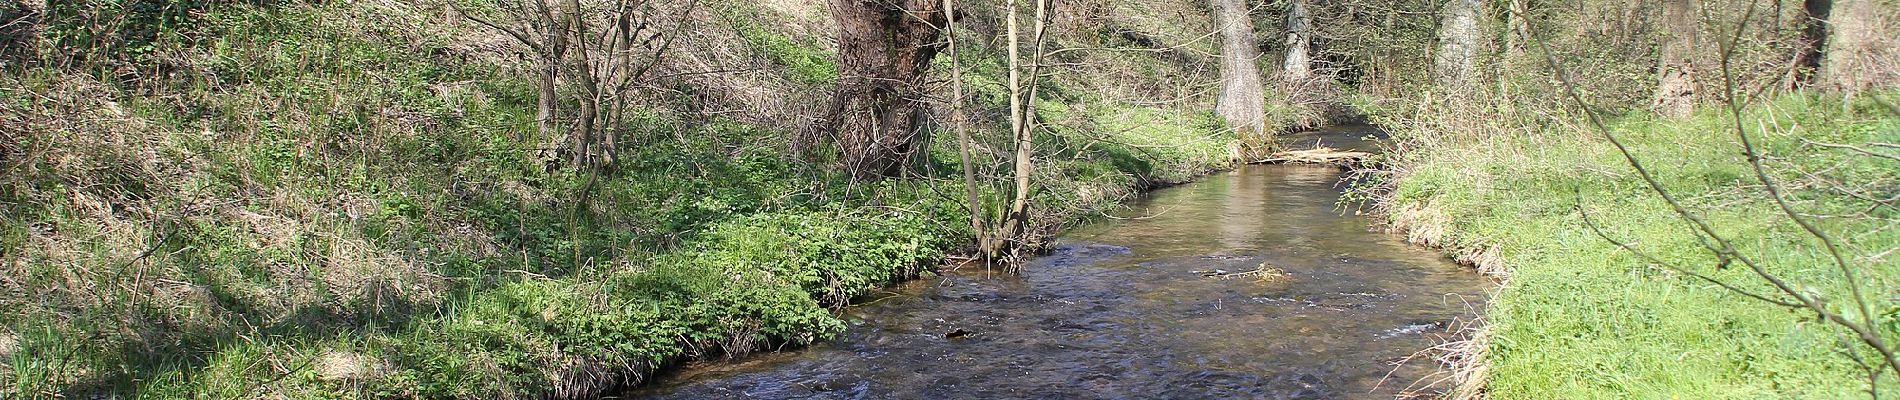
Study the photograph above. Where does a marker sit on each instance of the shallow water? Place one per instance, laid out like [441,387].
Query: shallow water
[1122,309]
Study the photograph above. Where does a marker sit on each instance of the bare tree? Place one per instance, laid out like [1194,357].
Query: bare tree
[616,52]
[884,49]
[1022,111]
[604,49]
[960,125]
[542,27]
[1517,29]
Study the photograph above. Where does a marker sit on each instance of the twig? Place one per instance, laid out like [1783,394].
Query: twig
[1856,149]
[1722,247]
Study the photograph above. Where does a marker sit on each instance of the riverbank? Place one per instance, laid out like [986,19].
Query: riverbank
[377,216]
[1578,317]
[1244,284]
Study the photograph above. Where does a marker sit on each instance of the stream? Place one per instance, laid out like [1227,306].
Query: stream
[1124,308]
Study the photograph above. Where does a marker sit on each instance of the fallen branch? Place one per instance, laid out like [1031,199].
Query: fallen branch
[1323,155]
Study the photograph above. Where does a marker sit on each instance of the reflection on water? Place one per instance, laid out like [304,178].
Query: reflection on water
[1121,310]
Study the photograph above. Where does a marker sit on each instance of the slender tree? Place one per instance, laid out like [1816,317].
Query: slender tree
[1022,95]
[1014,221]
[959,124]
[601,49]
[543,28]
[1517,25]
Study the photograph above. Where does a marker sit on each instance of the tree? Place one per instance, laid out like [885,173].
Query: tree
[1458,38]
[1860,45]
[1297,65]
[604,49]
[957,123]
[615,53]
[884,49]
[1242,98]
[1022,112]
[542,27]
[1675,81]
[1811,46]
[1517,30]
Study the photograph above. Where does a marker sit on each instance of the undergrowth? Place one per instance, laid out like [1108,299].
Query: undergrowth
[350,199]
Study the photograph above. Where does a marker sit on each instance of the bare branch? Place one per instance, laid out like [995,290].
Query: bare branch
[1653,260]
[1856,149]
[518,35]
[1774,191]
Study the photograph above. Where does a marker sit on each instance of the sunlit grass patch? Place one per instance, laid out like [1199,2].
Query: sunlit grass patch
[1581,318]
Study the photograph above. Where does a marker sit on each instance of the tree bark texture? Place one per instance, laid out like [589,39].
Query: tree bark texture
[1675,82]
[1811,46]
[1298,64]
[1242,98]
[1458,38]
[1861,46]
[884,49]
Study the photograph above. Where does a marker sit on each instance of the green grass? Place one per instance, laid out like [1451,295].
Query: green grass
[348,200]
[1580,318]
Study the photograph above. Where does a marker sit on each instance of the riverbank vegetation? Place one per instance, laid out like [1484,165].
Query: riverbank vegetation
[1750,256]
[363,199]
[550,199]
[1580,317]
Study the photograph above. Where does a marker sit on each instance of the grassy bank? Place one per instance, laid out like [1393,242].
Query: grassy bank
[1579,317]
[349,199]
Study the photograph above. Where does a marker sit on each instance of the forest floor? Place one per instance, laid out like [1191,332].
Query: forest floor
[1578,317]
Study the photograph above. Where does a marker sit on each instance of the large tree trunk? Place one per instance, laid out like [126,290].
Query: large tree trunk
[1811,46]
[1675,89]
[1298,64]
[1861,48]
[1458,37]
[1242,99]
[884,48]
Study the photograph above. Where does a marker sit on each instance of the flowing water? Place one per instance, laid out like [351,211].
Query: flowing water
[1123,309]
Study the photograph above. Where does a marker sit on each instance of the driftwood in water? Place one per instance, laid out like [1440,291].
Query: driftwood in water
[1264,272]
[1323,155]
